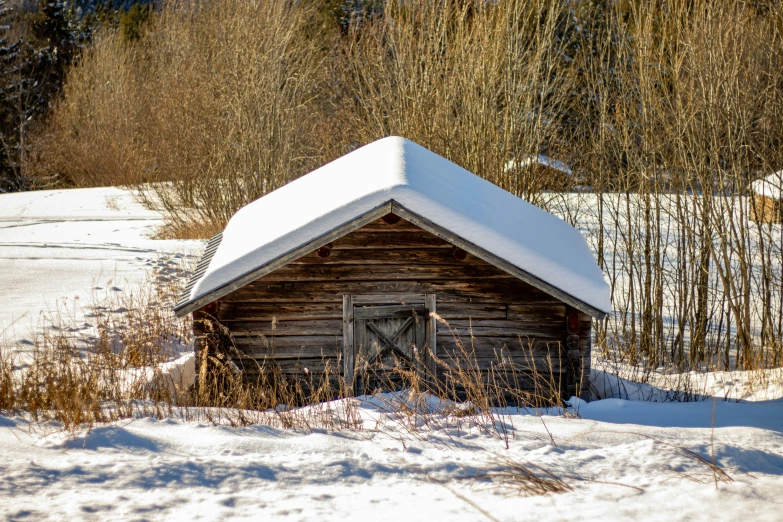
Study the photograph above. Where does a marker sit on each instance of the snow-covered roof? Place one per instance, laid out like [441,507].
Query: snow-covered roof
[397,170]
[539,159]
[771,186]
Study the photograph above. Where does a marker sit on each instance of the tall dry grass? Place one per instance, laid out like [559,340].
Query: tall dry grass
[413,394]
[129,363]
[114,369]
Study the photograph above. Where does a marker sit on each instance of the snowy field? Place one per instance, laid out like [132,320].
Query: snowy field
[59,248]
[623,458]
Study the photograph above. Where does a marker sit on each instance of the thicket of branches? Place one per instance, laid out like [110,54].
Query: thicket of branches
[666,110]
[676,117]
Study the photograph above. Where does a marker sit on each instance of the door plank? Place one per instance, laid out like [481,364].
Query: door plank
[348,346]
[430,334]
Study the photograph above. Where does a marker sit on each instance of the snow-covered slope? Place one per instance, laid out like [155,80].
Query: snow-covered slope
[60,245]
[621,458]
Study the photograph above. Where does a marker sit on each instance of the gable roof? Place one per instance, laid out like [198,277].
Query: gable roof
[395,174]
[770,187]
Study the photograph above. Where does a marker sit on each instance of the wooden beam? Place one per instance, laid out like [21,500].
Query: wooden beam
[322,240]
[388,311]
[430,334]
[372,299]
[492,259]
[348,347]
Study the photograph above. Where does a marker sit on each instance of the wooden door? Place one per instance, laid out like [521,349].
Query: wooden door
[387,339]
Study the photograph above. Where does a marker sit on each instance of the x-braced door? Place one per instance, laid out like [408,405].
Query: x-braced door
[388,341]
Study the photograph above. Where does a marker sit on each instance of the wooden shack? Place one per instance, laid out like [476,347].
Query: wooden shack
[767,194]
[393,255]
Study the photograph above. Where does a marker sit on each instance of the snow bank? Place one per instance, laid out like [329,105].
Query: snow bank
[621,458]
[538,159]
[620,382]
[425,183]
[179,374]
[771,186]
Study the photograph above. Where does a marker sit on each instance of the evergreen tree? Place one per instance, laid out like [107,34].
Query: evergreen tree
[132,23]
[10,73]
[32,71]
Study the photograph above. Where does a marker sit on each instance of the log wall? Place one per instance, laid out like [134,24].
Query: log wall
[294,315]
[766,210]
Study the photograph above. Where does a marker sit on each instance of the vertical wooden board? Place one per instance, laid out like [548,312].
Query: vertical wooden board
[420,341]
[359,341]
[348,346]
[407,339]
[430,334]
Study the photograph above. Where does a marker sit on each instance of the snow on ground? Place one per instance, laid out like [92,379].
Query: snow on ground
[621,381]
[57,246]
[621,458]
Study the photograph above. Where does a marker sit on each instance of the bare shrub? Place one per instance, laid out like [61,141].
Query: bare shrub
[667,113]
[247,128]
[220,98]
[229,100]
[96,134]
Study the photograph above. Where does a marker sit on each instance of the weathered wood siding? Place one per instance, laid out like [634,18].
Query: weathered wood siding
[294,315]
[766,210]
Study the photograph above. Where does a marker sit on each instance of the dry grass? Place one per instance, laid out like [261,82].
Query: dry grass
[407,397]
[115,373]
[188,230]
[708,470]
[109,372]
[525,479]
